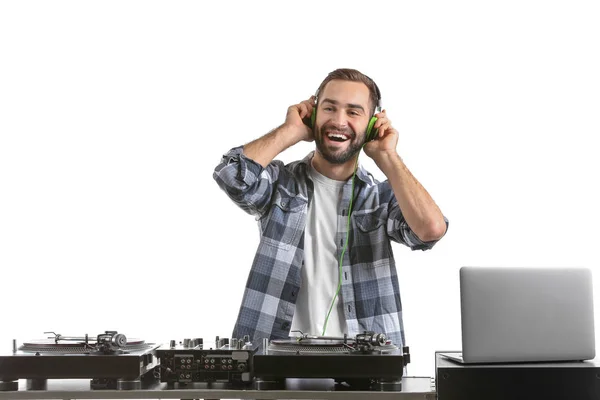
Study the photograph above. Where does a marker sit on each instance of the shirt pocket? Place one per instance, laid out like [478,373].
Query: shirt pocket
[283,225]
[370,244]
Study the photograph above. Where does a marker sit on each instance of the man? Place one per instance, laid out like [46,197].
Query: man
[324,265]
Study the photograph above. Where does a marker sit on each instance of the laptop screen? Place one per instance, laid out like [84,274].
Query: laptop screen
[514,314]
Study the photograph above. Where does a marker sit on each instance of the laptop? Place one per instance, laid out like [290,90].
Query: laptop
[519,314]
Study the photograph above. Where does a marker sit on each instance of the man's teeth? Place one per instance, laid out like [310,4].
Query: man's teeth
[336,136]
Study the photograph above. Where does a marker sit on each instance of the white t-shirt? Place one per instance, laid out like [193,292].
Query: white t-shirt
[320,273]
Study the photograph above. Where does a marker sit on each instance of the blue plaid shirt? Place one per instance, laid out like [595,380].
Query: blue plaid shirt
[278,197]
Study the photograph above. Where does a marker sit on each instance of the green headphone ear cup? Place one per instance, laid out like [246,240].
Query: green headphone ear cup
[371,133]
[313,117]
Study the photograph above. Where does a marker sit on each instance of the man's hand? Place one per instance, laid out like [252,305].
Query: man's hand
[264,149]
[386,138]
[295,116]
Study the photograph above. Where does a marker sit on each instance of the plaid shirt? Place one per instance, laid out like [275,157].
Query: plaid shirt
[278,197]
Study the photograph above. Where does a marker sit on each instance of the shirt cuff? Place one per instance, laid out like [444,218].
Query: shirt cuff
[249,170]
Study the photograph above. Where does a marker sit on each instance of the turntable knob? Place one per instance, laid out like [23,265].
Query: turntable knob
[119,340]
[380,339]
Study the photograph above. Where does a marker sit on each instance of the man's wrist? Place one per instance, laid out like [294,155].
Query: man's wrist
[288,135]
[387,159]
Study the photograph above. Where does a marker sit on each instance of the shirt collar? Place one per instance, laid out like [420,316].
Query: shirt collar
[361,173]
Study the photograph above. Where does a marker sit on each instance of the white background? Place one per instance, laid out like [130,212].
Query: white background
[113,115]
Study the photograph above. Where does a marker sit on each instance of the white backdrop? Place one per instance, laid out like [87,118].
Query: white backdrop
[113,115]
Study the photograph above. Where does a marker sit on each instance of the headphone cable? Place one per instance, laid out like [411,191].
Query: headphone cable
[343,249]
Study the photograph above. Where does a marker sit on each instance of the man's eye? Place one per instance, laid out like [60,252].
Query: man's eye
[327,108]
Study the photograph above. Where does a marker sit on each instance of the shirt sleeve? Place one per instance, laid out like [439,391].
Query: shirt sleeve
[246,182]
[399,231]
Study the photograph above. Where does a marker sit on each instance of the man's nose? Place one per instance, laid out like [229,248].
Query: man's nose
[339,119]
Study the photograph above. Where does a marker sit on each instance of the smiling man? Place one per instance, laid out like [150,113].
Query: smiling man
[324,264]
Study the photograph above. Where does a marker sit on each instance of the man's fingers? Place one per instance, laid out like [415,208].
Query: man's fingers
[384,127]
[309,106]
[303,109]
[381,121]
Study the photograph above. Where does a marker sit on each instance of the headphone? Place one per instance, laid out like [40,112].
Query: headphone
[371,133]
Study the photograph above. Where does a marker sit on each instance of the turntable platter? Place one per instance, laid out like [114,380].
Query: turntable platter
[73,347]
[308,342]
[321,346]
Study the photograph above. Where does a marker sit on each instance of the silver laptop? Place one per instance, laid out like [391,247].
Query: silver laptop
[526,315]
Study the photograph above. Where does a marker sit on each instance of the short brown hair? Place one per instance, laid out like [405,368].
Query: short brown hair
[347,74]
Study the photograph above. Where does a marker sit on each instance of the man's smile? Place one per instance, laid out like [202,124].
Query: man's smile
[337,136]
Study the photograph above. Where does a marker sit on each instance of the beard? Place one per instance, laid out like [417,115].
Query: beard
[334,155]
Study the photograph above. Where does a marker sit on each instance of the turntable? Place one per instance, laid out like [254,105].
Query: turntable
[367,361]
[110,360]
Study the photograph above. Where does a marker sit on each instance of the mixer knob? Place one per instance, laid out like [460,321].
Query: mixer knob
[186,343]
[246,338]
[173,344]
[224,342]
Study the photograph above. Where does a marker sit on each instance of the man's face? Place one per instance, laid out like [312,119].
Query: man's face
[342,120]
